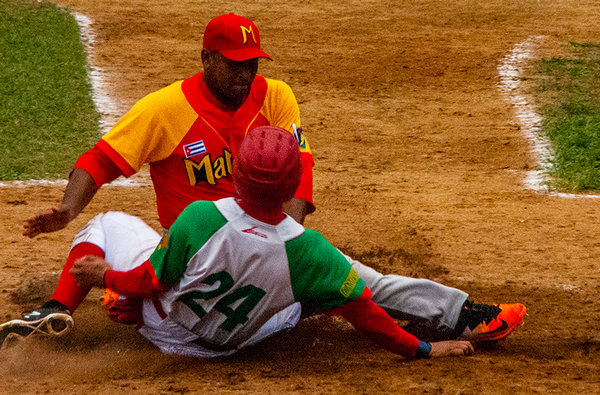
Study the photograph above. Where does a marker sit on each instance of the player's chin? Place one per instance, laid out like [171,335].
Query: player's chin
[239,92]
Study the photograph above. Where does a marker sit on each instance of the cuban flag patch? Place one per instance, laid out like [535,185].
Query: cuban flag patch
[192,149]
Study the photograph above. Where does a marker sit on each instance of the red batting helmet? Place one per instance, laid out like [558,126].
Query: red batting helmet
[267,169]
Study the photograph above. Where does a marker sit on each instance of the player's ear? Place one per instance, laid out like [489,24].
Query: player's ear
[206,57]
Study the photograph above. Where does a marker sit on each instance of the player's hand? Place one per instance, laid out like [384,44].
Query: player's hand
[451,348]
[49,221]
[127,311]
[89,271]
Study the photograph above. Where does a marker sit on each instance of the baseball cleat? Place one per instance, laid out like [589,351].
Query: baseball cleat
[51,324]
[50,307]
[492,322]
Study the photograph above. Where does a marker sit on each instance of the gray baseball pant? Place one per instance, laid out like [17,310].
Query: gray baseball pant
[434,305]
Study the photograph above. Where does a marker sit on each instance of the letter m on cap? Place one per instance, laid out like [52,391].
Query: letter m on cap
[245,32]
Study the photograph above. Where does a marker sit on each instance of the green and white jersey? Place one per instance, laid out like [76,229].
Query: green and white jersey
[230,273]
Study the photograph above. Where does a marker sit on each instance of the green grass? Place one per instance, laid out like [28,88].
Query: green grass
[570,91]
[47,115]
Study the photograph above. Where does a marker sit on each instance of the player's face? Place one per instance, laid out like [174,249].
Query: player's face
[227,79]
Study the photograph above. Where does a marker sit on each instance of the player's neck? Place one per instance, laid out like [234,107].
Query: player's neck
[271,216]
[220,102]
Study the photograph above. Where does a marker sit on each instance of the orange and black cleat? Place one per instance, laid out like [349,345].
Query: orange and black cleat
[482,323]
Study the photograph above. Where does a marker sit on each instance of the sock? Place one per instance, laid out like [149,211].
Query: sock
[461,324]
[67,291]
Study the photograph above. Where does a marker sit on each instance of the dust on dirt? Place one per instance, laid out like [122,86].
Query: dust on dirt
[419,171]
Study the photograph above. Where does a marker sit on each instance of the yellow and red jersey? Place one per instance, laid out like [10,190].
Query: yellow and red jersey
[190,139]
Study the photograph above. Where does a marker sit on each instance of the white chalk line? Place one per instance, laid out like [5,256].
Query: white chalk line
[105,106]
[511,70]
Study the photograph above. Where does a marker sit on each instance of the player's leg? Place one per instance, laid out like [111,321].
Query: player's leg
[409,298]
[436,311]
[123,240]
[127,241]
[68,295]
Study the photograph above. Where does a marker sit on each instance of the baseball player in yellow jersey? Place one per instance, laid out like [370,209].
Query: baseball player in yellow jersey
[189,134]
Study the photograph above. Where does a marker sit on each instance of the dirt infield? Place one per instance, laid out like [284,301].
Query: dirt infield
[420,169]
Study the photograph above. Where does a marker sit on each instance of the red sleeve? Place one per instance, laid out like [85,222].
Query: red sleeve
[116,158]
[99,165]
[140,282]
[375,323]
[305,189]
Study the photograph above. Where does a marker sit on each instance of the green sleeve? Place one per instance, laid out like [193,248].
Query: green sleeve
[320,274]
[190,231]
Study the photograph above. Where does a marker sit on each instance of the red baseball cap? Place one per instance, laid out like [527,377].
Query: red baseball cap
[235,37]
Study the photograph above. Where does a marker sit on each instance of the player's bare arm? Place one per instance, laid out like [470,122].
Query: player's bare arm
[296,208]
[80,190]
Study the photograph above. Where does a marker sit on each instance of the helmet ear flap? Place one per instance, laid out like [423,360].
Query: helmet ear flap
[267,168]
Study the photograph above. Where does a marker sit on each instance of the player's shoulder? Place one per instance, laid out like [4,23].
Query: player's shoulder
[168,96]
[199,206]
[200,213]
[311,243]
[278,86]
[311,235]
[280,105]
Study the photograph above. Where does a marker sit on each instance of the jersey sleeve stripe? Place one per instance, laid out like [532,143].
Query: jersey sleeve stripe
[125,167]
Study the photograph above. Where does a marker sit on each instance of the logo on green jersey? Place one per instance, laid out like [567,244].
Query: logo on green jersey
[349,284]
